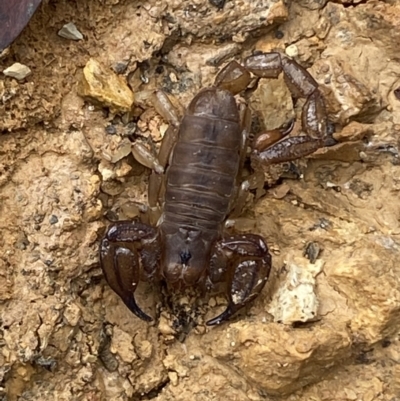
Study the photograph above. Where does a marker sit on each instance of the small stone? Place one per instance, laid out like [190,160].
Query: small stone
[218,3]
[121,67]
[292,51]
[296,299]
[123,169]
[111,129]
[53,219]
[106,170]
[312,251]
[103,86]
[164,327]
[173,377]
[70,31]
[18,71]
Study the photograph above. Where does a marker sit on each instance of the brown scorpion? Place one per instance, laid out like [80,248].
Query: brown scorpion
[189,246]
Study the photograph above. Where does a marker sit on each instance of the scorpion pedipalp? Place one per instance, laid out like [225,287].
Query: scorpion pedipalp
[244,262]
[120,250]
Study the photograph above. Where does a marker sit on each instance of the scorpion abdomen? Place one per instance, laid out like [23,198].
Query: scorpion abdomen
[201,178]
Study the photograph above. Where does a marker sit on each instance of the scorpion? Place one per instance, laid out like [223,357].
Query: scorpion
[189,246]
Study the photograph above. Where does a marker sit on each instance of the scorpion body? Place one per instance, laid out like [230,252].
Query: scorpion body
[189,247]
[200,186]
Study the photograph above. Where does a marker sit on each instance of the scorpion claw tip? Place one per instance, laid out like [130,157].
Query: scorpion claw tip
[133,306]
[229,311]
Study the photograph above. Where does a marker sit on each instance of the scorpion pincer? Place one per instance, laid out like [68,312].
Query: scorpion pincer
[189,247]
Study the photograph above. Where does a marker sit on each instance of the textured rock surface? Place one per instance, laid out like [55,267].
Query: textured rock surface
[65,165]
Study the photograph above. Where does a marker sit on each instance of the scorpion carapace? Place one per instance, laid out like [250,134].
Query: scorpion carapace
[188,247]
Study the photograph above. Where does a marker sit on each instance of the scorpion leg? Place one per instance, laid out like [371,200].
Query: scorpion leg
[158,163]
[156,181]
[242,188]
[233,77]
[244,262]
[128,251]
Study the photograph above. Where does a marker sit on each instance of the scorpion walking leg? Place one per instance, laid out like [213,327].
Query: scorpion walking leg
[156,190]
[156,180]
[165,108]
[124,246]
[245,263]
[158,163]
[242,189]
[233,77]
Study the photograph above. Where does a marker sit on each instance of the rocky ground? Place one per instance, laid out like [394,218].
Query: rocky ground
[326,326]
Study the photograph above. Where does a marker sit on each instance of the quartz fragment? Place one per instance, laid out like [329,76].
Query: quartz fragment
[70,31]
[295,300]
[18,71]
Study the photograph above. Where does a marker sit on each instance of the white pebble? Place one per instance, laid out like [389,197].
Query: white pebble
[17,71]
[292,51]
[70,31]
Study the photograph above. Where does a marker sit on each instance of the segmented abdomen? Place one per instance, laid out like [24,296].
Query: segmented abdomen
[202,175]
